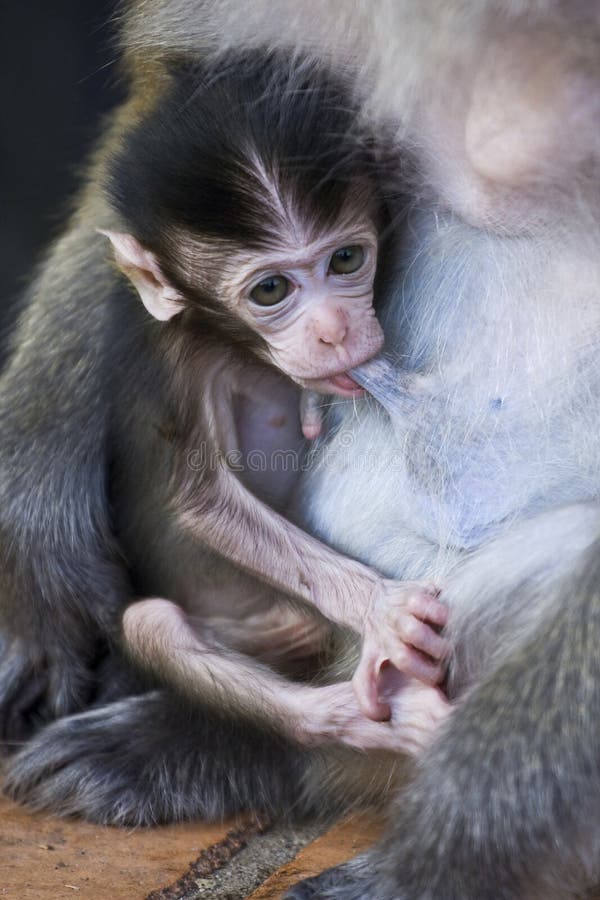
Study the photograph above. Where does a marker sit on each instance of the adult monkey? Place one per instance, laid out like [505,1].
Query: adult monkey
[499,323]
[511,214]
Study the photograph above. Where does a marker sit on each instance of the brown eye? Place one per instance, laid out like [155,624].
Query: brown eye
[347,260]
[270,291]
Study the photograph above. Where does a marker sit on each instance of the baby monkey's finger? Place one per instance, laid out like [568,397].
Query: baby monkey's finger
[423,637]
[414,663]
[427,607]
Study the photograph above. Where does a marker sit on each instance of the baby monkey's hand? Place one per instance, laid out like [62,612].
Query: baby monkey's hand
[402,629]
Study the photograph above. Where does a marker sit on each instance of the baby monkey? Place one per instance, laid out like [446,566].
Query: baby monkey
[250,209]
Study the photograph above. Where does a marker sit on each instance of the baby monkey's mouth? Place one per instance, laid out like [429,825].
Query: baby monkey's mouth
[341,384]
[344,382]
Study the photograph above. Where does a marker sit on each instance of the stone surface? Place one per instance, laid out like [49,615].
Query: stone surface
[248,857]
[340,843]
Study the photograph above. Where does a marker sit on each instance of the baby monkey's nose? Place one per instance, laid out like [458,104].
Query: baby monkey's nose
[330,325]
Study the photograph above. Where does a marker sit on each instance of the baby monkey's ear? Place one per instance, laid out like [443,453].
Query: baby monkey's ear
[142,268]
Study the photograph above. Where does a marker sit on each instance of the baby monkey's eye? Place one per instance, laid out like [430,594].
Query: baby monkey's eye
[270,291]
[347,260]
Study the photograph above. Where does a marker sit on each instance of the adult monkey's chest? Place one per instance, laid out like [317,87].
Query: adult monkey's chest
[484,450]
[502,338]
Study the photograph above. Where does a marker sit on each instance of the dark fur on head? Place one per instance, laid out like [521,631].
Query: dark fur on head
[221,148]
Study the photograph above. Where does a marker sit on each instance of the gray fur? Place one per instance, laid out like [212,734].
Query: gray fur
[150,759]
[42,413]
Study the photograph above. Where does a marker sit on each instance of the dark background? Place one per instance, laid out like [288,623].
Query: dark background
[57,77]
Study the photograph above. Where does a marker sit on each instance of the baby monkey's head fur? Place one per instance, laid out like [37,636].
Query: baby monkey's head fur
[251,197]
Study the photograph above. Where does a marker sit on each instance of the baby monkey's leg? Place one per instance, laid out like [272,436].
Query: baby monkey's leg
[160,637]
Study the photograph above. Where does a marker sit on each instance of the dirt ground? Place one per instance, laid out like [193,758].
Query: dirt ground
[46,858]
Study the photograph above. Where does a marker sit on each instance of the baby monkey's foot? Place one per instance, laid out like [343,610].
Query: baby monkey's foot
[402,628]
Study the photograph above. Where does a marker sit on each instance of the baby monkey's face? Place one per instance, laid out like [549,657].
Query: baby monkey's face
[311,300]
[308,295]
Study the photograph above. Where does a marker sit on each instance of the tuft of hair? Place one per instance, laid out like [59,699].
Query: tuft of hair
[237,148]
